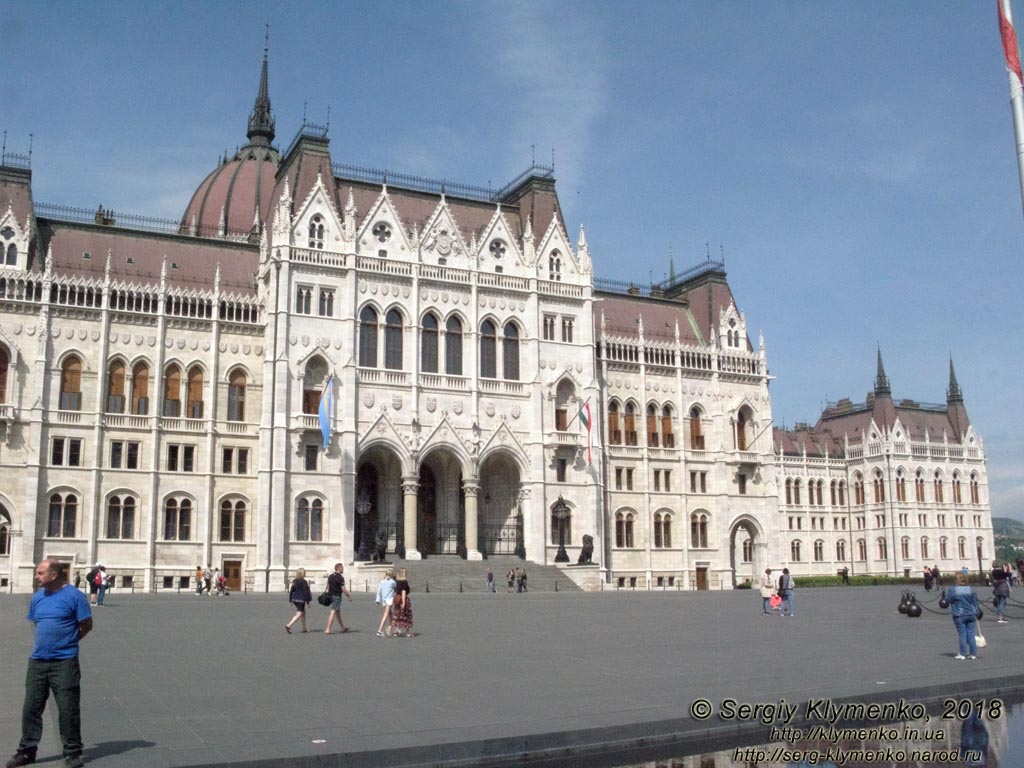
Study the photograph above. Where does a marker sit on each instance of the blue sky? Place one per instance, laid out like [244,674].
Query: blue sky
[854,162]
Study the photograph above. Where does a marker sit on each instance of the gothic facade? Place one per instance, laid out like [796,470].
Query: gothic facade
[319,359]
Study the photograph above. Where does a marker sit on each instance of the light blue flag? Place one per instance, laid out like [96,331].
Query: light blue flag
[326,410]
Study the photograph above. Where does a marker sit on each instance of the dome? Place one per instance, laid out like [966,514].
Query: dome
[240,189]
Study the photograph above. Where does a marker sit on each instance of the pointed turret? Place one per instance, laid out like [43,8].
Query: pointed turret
[884,412]
[881,380]
[955,404]
[261,122]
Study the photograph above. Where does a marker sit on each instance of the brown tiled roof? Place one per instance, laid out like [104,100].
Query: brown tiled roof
[659,318]
[196,258]
[18,195]
[239,187]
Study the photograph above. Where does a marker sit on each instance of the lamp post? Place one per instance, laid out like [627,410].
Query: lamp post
[561,511]
[363,510]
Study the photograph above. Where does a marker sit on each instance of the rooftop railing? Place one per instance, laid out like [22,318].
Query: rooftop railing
[438,186]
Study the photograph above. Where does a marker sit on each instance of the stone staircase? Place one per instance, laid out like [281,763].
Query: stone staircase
[450,573]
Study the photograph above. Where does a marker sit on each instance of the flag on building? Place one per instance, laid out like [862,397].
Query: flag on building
[1010,50]
[326,410]
[585,420]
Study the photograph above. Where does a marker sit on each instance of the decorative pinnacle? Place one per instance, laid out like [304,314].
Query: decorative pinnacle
[261,121]
[953,393]
[881,380]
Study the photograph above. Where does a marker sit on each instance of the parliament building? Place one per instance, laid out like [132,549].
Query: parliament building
[319,359]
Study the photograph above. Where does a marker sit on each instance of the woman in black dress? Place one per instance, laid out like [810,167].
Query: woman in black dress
[401,611]
[299,596]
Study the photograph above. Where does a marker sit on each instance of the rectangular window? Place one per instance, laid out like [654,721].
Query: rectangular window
[629,479]
[188,459]
[668,480]
[116,453]
[312,452]
[657,480]
[326,306]
[172,457]
[74,453]
[618,478]
[243,461]
[132,455]
[227,460]
[560,470]
[549,327]
[66,451]
[303,300]
[741,482]
[57,452]
[703,482]
[567,323]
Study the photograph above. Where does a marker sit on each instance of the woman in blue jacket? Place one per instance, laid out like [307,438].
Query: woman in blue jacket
[963,605]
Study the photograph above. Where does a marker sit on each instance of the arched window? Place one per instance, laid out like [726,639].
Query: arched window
[748,551]
[820,488]
[840,550]
[232,521]
[177,519]
[121,517]
[832,492]
[938,487]
[194,404]
[961,547]
[140,389]
[368,337]
[789,491]
[236,395]
[883,550]
[667,438]
[879,486]
[429,344]
[796,492]
[63,517]
[555,266]
[858,490]
[510,352]
[453,346]
[905,547]
[309,520]
[5,537]
[71,384]
[975,493]
[924,548]
[624,529]
[115,387]
[630,424]
[901,486]
[659,540]
[944,548]
[565,394]
[696,429]
[172,391]
[488,350]
[652,426]
[698,531]
[742,439]
[316,232]
[919,486]
[819,551]
[794,550]
[5,363]
[393,340]
[842,493]
[957,495]
[12,255]
[862,550]
[313,382]
[614,433]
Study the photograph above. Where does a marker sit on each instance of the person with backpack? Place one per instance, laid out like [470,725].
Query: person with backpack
[94,578]
[104,583]
[786,592]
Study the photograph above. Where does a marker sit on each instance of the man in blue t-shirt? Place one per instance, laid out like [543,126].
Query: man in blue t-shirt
[62,618]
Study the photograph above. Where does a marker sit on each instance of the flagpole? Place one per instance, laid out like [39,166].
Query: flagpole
[578,412]
[1013,73]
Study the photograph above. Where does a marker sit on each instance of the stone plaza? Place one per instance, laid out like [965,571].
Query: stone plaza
[173,680]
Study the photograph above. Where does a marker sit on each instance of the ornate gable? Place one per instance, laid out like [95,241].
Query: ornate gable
[447,435]
[497,250]
[383,430]
[555,257]
[317,223]
[503,438]
[381,233]
[14,241]
[442,242]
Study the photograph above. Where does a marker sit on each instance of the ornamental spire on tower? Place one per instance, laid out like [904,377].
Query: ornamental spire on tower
[881,380]
[261,122]
[953,393]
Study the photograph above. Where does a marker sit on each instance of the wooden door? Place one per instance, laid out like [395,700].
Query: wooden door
[702,578]
[233,574]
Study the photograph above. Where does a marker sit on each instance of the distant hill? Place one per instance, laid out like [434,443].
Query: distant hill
[1008,526]
[1008,533]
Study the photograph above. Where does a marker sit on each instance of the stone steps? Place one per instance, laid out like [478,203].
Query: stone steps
[450,573]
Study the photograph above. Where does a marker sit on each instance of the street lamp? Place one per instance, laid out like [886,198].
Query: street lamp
[363,510]
[561,511]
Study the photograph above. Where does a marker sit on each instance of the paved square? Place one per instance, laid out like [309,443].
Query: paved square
[184,680]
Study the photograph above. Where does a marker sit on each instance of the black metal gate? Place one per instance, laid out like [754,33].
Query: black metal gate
[503,538]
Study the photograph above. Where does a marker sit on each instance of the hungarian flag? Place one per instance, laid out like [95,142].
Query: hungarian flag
[326,410]
[1010,50]
[585,420]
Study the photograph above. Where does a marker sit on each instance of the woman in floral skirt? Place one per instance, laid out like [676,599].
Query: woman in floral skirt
[401,611]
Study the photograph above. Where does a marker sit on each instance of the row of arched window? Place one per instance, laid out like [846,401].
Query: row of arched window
[881,549]
[837,489]
[130,391]
[622,426]
[661,529]
[815,492]
[178,518]
[493,355]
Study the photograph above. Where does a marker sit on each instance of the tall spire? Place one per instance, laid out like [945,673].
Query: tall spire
[953,393]
[881,380]
[261,122]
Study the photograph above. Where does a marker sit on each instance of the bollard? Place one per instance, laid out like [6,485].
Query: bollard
[427,588]
[556,585]
[460,585]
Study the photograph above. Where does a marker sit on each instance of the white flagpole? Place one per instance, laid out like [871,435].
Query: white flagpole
[1016,93]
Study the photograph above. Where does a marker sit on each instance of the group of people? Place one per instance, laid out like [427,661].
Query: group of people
[516,578]
[207,579]
[777,595]
[99,582]
[392,596]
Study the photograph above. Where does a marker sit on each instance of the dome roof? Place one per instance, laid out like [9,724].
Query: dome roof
[240,189]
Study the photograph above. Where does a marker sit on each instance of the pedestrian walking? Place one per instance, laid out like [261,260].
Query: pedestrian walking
[401,611]
[937,577]
[511,578]
[846,576]
[94,578]
[928,579]
[299,596]
[963,606]
[522,581]
[786,585]
[208,581]
[336,589]
[767,590]
[199,580]
[489,584]
[106,582]
[519,580]
[385,599]
[1000,591]
[62,619]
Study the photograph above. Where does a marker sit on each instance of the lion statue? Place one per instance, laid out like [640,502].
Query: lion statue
[587,553]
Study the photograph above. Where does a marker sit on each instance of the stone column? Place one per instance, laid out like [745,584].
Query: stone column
[471,488]
[410,486]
